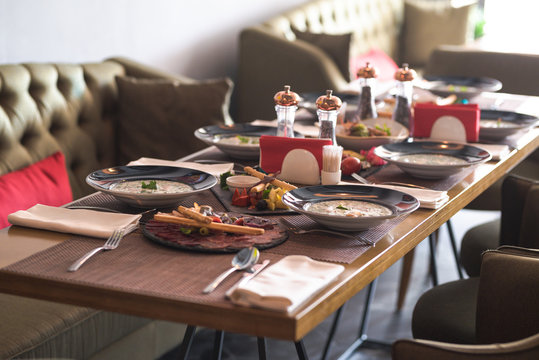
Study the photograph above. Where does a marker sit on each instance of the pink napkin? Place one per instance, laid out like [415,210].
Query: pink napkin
[442,122]
[273,150]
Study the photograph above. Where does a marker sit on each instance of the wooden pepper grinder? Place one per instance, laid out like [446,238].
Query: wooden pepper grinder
[404,87]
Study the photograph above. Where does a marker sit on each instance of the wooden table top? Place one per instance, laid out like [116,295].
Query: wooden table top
[17,243]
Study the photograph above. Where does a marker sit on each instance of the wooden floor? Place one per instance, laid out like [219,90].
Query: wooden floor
[385,323]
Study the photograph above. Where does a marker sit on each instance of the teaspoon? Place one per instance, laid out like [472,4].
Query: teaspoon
[244,259]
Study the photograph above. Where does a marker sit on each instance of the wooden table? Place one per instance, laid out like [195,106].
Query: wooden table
[17,243]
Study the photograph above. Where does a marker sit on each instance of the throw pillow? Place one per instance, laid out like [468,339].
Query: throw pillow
[428,24]
[386,65]
[158,117]
[44,182]
[336,46]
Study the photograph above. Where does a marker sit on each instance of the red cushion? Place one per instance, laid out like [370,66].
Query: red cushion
[45,182]
[379,59]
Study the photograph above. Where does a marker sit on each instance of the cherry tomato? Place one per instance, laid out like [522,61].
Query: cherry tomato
[350,165]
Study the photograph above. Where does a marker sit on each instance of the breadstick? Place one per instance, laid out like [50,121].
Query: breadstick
[194,215]
[249,170]
[213,225]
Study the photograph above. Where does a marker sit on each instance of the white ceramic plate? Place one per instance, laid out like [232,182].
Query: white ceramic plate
[397,202]
[433,153]
[356,143]
[106,180]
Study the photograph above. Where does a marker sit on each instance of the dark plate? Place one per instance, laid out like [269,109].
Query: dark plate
[516,122]
[105,179]
[398,202]
[462,86]
[211,135]
[167,234]
[470,154]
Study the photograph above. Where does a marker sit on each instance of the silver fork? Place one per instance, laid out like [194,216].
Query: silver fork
[112,243]
[297,230]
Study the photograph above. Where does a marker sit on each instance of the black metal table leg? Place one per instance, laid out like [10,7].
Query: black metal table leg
[300,348]
[334,325]
[261,348]
[187,341]
[454,247]
[218,344]
[433,270]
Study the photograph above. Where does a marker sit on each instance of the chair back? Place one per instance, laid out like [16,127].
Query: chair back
[508,295]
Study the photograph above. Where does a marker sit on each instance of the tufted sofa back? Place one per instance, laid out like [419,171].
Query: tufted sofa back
[374,23]
[45,108]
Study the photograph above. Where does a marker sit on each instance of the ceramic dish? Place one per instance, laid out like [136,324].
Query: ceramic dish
[356,143]
[236,140]
[396,203]
[432,159]
[110,180]
[241,182]
[463,87]
[509,123]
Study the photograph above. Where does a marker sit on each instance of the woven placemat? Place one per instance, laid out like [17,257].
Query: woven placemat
[136,266]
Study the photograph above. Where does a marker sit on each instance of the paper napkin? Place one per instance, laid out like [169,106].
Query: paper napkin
[287,284]
[214,169]
[498,151]
[74,221]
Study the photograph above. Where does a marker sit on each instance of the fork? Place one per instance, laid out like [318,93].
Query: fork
[112,243]
[297,230]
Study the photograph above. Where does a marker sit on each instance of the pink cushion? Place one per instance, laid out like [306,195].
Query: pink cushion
[45,182]
[379,59]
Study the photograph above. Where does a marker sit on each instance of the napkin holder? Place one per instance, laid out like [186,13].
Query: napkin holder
[446,122]
[298,160]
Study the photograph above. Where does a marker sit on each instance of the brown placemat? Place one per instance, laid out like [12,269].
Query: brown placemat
[137,266]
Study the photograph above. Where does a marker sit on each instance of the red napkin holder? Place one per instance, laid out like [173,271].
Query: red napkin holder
[273,150]
[426,116]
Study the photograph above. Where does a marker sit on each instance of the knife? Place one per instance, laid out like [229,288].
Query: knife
[247,278]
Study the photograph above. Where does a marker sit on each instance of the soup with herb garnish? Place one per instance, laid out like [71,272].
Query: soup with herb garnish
[151,187]
[431,159]
[497,124]
[351,208]
[239,140]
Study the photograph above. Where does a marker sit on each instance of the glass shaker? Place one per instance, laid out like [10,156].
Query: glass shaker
[328,109]
[404,90]
[286,102]
[367,80]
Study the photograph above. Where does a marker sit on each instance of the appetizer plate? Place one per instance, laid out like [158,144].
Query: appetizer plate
[497,124]
[462,86]
[326,204]
[356,143]
[173,183]
[238,140]
[432,159]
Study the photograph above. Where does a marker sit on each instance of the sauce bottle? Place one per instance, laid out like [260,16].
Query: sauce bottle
[286,102]
[367,80]
[404,87]
[328,109]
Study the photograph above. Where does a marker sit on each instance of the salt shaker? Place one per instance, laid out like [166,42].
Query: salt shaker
[286,102]
[328,109]
[367,80]
[404,87]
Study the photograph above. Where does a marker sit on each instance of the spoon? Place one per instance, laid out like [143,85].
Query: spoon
[244,259]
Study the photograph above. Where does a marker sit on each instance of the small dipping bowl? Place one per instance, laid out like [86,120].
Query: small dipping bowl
[240,182]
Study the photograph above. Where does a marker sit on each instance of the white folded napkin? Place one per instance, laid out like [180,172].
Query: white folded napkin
[214,169]
[287,284]
[498,151]
[306,130]
[74,221]
[428,198]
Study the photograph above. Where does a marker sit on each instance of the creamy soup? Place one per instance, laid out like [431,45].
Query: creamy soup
[432,159]
[353,208]
[151,187]
[497,124]
[239,140]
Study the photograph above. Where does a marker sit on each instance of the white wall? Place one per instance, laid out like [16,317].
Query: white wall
[196,38]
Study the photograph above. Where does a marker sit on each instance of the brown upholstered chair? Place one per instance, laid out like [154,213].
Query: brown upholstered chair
[498,307]
[526,349]
[518,224]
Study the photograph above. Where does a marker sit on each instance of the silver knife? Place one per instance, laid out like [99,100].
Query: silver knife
[246,278]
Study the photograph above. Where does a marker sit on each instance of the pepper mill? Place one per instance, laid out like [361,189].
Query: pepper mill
[328,109]
[404,87]
[286,102]
[367,80]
